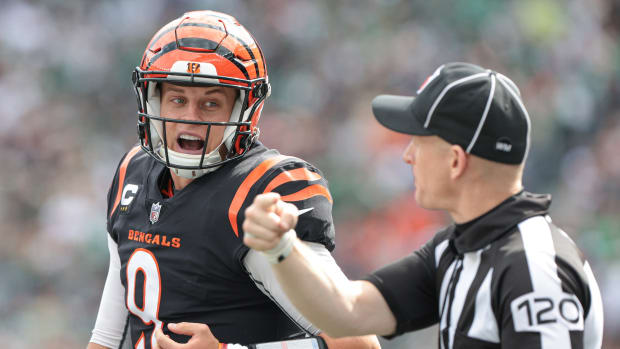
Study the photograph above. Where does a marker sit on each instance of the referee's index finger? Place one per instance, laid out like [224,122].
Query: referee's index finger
[265,201]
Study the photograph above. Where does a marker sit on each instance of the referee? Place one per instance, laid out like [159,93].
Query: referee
[502,276]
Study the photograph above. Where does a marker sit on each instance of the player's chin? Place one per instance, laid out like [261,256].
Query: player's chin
[190,151]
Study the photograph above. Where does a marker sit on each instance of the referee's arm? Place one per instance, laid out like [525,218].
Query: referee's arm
[338,306]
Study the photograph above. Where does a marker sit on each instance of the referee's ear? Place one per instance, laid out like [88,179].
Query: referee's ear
[459,161]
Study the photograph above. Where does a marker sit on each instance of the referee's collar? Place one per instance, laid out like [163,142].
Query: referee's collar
[498,221]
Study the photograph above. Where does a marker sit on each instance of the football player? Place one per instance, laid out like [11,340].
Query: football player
[177,201]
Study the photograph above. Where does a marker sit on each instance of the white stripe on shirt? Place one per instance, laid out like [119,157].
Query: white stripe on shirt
[540,255]
[593,331]
[471,262]
[484,325]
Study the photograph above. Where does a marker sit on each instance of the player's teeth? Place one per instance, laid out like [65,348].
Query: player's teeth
[190,138]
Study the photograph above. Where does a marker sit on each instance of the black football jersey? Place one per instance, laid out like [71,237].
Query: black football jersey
[182,257]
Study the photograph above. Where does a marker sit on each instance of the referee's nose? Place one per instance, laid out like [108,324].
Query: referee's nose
[408,154]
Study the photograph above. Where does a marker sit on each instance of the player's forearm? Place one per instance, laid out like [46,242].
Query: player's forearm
[92,345]
[324,301]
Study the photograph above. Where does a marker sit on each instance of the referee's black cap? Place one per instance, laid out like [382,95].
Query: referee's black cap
[479,109]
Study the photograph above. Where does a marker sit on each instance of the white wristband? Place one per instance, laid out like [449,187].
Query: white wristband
[231,346]
[283,249]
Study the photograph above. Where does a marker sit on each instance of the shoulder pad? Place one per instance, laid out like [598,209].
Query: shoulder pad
[297,182]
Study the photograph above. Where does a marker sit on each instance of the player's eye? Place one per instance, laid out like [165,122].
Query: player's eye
[177,100]
[211,104]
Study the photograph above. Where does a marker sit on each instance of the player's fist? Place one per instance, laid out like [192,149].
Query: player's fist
[202,338]
[266,220]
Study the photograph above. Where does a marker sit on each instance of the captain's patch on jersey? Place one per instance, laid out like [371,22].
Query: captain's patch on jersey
[129,193]
[536,311]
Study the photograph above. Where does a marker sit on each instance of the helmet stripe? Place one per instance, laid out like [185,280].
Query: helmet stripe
[243,43]
[199,43]
[262,57]
[210,26]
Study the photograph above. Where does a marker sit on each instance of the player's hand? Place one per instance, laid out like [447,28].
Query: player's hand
[266,220]
[202,338]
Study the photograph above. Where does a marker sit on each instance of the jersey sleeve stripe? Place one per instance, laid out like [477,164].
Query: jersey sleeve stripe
[246,185]
[540,255]
[593,333]
[121,176]
[308,192]
[297,174]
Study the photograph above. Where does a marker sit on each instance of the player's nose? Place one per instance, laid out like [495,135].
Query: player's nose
[194,111]
[191,112]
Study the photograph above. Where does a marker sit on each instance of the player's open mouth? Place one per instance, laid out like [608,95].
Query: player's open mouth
[190,144]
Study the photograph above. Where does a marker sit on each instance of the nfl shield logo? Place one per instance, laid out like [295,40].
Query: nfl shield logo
[155,209]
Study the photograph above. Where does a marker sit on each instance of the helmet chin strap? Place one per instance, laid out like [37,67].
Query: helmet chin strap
[153,105]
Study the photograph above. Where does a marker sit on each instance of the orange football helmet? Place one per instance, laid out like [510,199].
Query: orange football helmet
[201,48]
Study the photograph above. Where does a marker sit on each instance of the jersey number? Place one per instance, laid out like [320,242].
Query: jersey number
[531,312]
[143,261]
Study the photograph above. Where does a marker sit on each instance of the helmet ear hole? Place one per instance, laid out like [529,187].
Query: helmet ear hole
[135,78]
[259,91]
[240,143]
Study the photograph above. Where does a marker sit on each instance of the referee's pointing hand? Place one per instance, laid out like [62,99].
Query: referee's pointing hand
[266,220]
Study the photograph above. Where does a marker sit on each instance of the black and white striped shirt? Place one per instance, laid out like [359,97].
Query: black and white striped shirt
[508,279]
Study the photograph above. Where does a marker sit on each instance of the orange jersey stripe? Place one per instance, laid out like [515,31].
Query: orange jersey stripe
[308,192]
[121,176]
[297,174]
[246,185]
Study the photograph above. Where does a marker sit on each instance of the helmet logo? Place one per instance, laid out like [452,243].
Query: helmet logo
[193,68]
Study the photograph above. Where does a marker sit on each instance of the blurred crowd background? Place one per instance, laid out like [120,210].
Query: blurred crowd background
[68,114]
